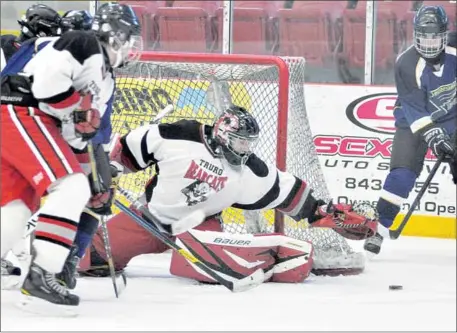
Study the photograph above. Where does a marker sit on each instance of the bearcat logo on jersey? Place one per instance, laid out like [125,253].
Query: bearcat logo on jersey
[208,178]
[373,112]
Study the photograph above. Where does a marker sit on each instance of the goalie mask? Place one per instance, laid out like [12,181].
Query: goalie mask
[118,28]
[40,21]
[236,132]
[430,31]
[76,20]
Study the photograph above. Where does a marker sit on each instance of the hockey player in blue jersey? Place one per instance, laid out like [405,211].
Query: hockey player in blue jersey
[425,113]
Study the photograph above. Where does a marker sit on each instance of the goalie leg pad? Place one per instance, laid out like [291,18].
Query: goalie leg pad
[282,258]
[293,263]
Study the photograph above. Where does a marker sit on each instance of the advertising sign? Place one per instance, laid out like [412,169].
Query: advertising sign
[353,130]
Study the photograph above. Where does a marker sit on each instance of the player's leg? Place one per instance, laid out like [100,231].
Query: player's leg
[88,223]
[14,215]
[127,239]
[38,151]
[406,164]
[16,206]
[87,228]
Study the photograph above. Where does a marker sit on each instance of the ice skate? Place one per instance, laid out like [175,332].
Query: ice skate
[373,244]
[10,275]
[67,277]
[42,294]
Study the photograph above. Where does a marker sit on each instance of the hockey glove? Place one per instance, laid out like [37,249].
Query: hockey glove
[438,141]
[353,222]
[86,119]
[100,202]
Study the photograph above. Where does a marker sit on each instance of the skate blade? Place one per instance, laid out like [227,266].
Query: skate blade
[121,282]
[370,255]
[44,308]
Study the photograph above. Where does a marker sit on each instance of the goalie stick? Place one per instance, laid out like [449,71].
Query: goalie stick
[151,224]
[394,234]
[106,241]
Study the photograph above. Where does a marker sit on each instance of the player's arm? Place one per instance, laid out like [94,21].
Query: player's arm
[272,188]
[412,97]
[135,150]
[266,187]
[9,46]
[2,60]
[74,56]
[141,148]
[104,133]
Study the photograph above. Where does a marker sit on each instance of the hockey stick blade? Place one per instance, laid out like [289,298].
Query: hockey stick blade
[121,283]
[249,282]
[394,234]
[115,136]
[148,223]
[169,108]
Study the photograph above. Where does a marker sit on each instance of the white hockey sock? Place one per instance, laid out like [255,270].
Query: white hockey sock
[14,216]
[58,220]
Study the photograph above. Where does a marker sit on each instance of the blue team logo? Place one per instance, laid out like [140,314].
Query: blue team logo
[374,113]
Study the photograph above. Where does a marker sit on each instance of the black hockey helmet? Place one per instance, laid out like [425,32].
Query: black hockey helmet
[430,31]
[40,21]
[237,133]
[76,20]
[118,28]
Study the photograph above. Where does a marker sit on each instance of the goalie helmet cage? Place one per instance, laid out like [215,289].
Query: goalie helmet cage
[272,89]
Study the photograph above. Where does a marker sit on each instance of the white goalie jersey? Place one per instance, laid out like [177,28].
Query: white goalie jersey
[189,176]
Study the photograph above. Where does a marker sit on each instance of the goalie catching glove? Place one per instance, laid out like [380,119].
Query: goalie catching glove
[353,222]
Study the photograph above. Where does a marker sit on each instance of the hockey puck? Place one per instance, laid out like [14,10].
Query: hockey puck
[395,287]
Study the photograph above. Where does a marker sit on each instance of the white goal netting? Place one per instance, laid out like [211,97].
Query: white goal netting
[272,89]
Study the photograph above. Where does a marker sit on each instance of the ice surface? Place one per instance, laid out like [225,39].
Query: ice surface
[154,300]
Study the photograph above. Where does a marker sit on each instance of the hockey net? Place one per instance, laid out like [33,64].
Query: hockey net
[198,86]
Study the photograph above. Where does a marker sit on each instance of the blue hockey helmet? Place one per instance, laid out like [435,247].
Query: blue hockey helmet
[76,20]
[430,31]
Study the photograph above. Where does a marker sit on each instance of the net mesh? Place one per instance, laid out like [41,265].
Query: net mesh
[199,90]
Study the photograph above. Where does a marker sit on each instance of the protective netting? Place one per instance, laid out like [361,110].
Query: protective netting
[273,90]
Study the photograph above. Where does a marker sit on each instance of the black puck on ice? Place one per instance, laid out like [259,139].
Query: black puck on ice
[395,287]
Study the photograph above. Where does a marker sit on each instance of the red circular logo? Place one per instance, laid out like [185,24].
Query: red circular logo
[374,113]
